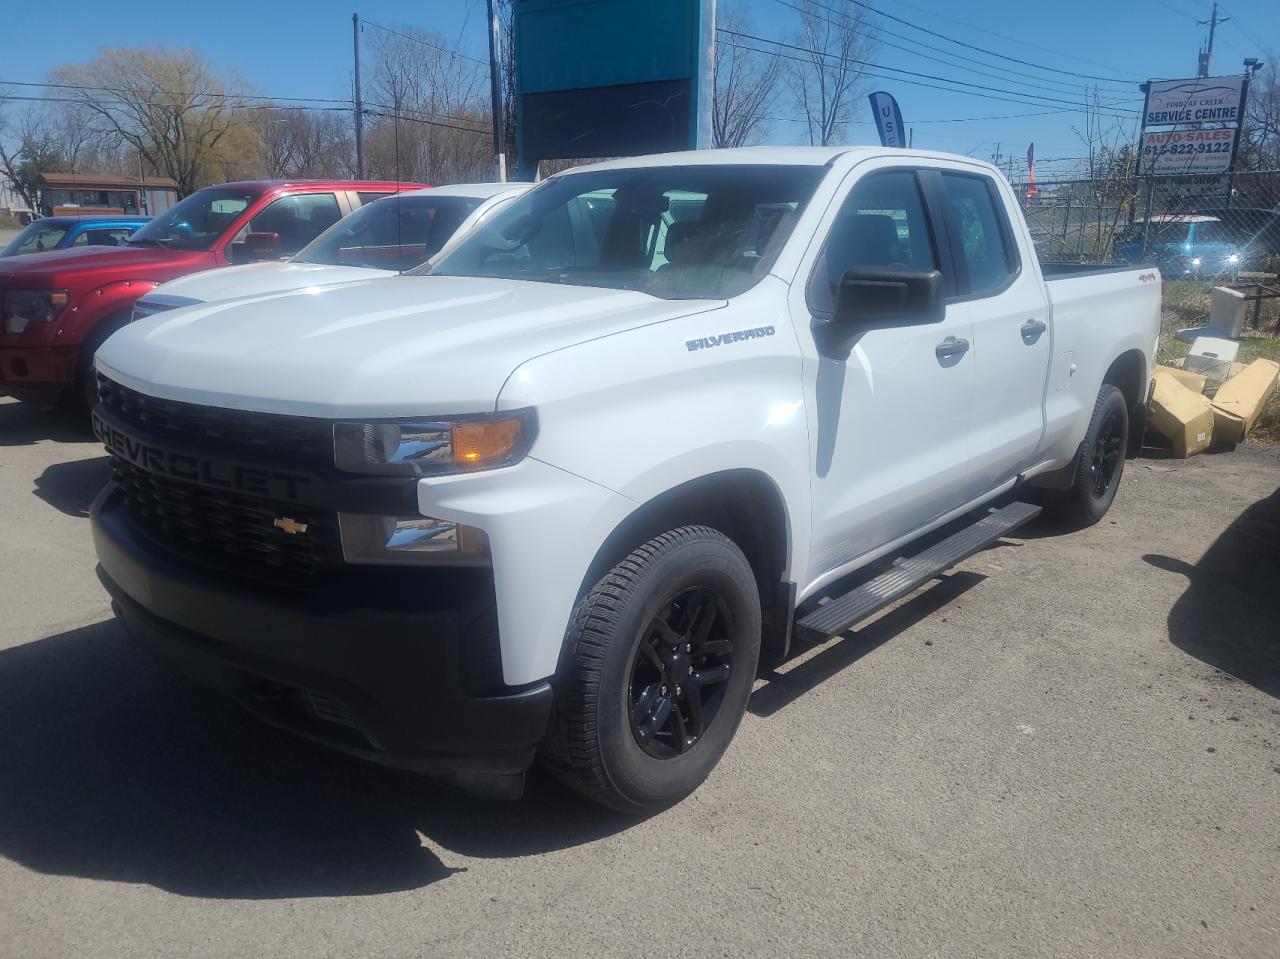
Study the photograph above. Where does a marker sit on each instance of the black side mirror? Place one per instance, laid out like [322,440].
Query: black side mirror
[889,296]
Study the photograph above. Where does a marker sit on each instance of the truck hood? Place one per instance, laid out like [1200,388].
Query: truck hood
[395,346]
[256,278]
[53,263]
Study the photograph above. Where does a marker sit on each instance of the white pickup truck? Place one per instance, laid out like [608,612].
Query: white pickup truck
[559,493]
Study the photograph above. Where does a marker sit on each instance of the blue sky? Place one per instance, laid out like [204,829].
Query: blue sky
[285,52]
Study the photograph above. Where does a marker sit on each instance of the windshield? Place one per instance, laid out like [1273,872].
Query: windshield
[34,239]
[1215,231]
[675,232]
[197,222]
[395,233]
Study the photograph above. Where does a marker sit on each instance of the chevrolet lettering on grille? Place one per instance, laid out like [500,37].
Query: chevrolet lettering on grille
[191,468]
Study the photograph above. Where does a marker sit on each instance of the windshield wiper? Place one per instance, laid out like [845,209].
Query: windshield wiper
[148,241]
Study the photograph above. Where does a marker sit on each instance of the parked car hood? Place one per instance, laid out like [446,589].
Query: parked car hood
[395,346]
[255,278]
[55,262]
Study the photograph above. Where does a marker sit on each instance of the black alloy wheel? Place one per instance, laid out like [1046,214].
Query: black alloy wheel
[659,662]
[1107,454]
[679,673]
[1098,467]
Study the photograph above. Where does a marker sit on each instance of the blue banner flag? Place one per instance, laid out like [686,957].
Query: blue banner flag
[888,119]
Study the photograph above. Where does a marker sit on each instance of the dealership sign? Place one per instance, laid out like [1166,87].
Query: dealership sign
[1187,151]
[1202,100]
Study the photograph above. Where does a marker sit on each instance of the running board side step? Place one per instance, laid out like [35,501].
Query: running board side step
[836,617]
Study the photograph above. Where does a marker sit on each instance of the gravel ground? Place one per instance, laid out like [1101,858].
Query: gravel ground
[1070,746]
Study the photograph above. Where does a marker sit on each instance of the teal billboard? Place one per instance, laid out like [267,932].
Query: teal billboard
[603,78]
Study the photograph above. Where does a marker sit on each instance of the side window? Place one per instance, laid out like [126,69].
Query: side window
[367,198]
[297,220]
[882,223]
[113,237]
[980,231]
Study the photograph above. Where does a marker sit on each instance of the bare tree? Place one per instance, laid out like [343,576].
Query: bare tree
[746,83]
[429,109]
[168,107]
[825,74]
[295,142]
[1260,138]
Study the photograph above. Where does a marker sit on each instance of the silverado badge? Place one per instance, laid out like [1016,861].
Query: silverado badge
[289,525]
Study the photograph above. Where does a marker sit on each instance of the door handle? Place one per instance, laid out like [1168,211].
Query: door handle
[951,347]
[1032,329]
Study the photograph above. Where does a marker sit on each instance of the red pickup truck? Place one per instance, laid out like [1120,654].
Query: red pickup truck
[59,306]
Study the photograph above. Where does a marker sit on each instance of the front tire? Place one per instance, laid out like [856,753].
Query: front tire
[661,659]
[1099,465]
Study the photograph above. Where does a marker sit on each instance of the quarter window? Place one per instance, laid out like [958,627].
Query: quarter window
[980,232]
[882,223]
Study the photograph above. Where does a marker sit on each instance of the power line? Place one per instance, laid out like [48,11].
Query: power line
[275,103]
[425,43]
[403,114]
[1023,97]
[1181,13]
[164,93]
[1003,36]
[917,43]
[970,46]
[918,83]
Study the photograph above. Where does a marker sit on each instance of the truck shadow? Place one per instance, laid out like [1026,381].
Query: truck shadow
[22,424]
[782,688]
[71,487]
[1227,617]
[114,770]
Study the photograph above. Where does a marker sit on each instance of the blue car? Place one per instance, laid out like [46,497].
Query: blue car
[60,232]
[1218,244]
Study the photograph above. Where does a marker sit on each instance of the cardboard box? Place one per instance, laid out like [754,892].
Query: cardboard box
[1182,416]
[1192,381]
[1212,356]
[1236,368]
[1240,400]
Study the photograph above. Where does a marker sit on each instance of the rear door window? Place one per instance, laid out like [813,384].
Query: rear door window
[980,233]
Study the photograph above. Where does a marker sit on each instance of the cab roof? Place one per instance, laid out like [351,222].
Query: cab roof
[262,186]
[773,156]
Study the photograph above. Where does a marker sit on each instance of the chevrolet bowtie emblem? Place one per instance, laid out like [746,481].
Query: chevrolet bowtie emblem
[289,525]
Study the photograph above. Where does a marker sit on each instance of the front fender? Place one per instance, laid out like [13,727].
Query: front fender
[641,413]
[87,310]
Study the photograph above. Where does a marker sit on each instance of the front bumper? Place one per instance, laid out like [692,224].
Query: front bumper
[398,666]
[37,372]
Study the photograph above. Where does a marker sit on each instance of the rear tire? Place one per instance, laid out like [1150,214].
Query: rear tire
[1099,464]
[661,657]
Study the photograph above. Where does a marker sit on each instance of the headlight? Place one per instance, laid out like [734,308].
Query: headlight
[1195,261]
[411,541]
[24,307]
[1234,258]
[429,447]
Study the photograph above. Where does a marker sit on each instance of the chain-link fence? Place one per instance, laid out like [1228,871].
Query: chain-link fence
[1202,231]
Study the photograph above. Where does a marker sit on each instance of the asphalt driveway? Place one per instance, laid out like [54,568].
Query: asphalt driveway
[1069,746]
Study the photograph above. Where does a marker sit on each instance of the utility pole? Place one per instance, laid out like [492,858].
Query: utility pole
[355,30]
[1206,53]
[495,97]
